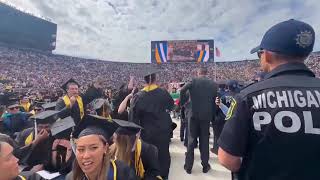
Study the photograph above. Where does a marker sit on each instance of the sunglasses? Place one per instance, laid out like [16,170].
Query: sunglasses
[37,109]
[13,108]
[260,52]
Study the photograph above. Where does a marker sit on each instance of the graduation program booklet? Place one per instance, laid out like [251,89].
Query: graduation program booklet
[47,175]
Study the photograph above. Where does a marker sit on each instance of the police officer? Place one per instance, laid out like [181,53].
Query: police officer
[273,126]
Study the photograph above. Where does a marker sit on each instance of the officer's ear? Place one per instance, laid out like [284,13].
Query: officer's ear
[267,56]
[266,60]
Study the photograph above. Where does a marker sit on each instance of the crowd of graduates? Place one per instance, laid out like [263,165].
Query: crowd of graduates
[42,127]
[79,133]
[132,127]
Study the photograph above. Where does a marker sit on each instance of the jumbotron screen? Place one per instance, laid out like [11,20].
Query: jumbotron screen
[182,51]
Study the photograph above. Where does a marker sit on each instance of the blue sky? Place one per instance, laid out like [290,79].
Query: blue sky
[121,30]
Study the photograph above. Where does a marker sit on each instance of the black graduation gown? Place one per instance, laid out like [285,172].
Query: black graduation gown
[91,94]
[40,154]
[151,111]
[34,154]
[151,166]
[20,177]
[119,96]
[21,151]
[124,172]
[28,175]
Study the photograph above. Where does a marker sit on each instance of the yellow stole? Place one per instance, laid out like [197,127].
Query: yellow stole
[26,106]
[66,100]
[138,161]
[114,170]
[29,139]
[22,178]
[150,87]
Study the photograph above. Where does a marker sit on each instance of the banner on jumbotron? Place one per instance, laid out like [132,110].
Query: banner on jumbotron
[182,51]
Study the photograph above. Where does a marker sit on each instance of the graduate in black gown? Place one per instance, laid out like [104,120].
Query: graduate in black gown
[118,97]
[150,109]
[47,147]
[23,175]
[35,142]
[138,154]
[61,157]
[73,103]
[92,152]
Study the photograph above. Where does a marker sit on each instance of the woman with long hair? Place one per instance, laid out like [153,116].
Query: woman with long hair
[129,148]
[92,152]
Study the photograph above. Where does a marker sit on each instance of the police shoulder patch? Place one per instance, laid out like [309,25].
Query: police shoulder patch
[231,109]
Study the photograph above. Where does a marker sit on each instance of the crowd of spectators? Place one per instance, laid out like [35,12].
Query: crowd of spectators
[26,69]
[313,62]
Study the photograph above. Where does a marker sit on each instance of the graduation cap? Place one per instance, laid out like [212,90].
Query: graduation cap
[98,103]
[126,127]
[65,85]
[13,103]
[62,128]
[37,105]
[25,97]
[45,117]
[95,125]
[149,71]
[49,106]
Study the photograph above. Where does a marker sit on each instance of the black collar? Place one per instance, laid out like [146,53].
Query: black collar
[290,68]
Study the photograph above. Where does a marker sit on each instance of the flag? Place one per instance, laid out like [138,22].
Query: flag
[203,56]
[218,53]
[161,52]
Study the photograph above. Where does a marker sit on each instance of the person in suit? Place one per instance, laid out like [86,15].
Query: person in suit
[203,92]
